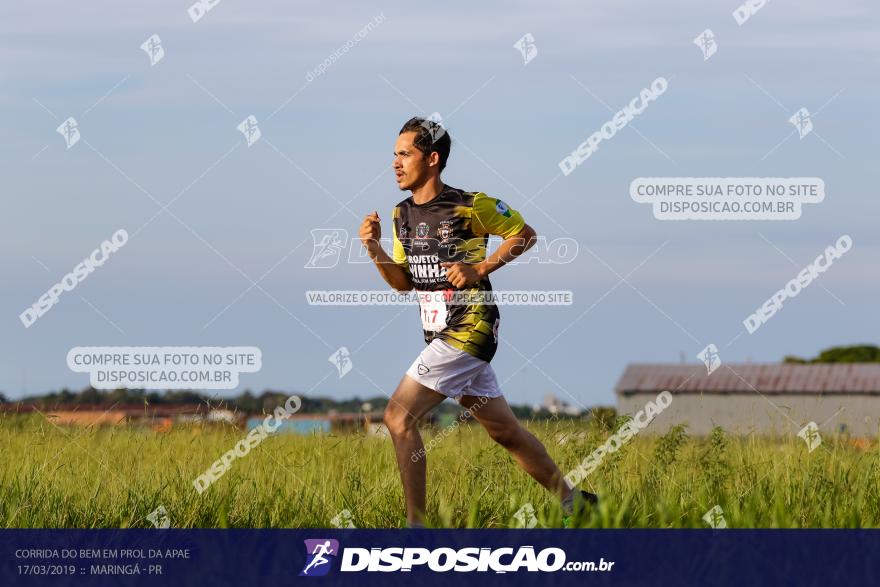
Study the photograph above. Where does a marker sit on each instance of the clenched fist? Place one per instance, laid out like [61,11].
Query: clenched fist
[462,274]
[370,233]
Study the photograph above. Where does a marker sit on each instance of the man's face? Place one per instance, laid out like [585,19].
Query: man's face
[411,167]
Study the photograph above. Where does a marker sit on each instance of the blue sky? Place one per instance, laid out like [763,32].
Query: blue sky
[245,213]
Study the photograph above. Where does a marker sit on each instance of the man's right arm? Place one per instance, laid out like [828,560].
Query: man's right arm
[396,275]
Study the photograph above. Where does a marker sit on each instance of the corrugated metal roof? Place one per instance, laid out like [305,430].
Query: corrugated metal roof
[747,377]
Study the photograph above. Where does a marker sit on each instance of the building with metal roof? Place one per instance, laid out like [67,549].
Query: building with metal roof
[761,398]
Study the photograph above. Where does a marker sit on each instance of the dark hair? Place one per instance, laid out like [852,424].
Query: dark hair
[430,137]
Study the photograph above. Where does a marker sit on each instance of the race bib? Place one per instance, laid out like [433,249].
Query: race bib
[433,307]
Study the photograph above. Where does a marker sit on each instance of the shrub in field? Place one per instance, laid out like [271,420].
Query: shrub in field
[669,445]
[664,455]
[611,460]
[714,467]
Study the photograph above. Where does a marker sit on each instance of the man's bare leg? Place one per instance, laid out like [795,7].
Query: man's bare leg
[409,403]
[504,428]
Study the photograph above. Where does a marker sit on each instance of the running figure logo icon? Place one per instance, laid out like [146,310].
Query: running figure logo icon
[434,125]
[810,434]
[710,358]
[526,46]
[327,246]
[706,42]
[250,128]
[715,518]
[153,48]
[317,552]
[69,129]
[342,359]
[802,121]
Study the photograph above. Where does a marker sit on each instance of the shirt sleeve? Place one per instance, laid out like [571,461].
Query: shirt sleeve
[493,216]
[398,254]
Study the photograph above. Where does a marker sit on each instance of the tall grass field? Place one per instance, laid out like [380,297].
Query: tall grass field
[114,477]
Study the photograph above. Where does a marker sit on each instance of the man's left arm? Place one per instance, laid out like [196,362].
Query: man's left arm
[493,216]
[509,249]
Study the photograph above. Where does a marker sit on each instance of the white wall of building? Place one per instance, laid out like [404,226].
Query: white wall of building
[768,414]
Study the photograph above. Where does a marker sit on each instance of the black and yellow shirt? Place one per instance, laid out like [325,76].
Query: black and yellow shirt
[454,226]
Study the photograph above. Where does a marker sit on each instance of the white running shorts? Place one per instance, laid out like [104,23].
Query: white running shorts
[453,372]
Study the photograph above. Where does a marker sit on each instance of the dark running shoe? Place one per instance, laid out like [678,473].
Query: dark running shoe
[583,502]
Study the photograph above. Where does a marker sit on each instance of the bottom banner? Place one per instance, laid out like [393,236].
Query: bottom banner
[391,557]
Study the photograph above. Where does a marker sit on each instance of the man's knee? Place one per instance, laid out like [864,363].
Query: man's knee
[397,419]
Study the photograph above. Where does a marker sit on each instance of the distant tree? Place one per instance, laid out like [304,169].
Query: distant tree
[269,400]
[183,396]
[378,402]
[3,399]
[89,395]
[865,353]
[602,416]
[65,396]
[125,396]
[521,412]
[246,403]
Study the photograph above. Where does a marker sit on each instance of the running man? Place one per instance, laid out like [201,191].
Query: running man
[319,552]
[440,235]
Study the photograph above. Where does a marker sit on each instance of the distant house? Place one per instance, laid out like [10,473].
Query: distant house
[217,415]
[554,405]
[762,398]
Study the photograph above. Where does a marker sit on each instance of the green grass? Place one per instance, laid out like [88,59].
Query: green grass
[107,477]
